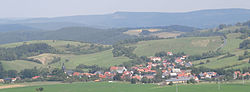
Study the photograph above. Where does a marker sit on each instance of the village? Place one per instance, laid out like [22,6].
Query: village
[158,70]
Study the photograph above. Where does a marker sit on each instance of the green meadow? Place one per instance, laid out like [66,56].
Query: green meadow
[189,45]
[127,87]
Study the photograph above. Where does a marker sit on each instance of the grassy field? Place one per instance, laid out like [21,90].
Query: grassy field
[231,46]
[190,45]
[138,31]
[126,87]
[104,59]
[20,65]
[167,34]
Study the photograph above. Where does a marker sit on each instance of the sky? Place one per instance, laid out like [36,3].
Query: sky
[55,8]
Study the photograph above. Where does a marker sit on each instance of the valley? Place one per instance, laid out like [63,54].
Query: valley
[197,51]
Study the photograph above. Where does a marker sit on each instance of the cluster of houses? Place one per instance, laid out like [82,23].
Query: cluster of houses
[9,80]
[170,71]
[238,74]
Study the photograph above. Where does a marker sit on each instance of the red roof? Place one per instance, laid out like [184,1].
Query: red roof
[178,60]
[154,71]
[102,76]
[140,70]
[149,77]
[137,77]
[113,68]
[35,77]
[76,74]
[163,71]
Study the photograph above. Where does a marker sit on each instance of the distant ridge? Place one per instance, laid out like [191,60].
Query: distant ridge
[200,19]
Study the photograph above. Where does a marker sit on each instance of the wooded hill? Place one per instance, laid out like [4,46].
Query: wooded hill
[86,34]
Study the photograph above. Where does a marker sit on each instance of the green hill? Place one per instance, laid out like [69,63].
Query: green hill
[234,36]
[232,46]
[71,57]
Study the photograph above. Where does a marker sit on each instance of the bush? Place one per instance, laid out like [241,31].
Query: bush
[133,81]
[171,83]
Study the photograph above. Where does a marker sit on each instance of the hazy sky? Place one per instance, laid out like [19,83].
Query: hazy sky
[53,8]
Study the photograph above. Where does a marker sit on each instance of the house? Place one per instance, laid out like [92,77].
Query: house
[140,70]
[9,80]
[155,59]
[174,80]
[153,72]
[207,75]
[109,75]
[189,64]
[118,69]
[137,77]
[239,74]
[165,74]
[127,75]
[69,72]
[13,79]
[173,74]
[1,80]
[183,57]
[97,80]
[76,74]
[48,76]
[35,77]
[170,53]
[102,76]
[178,60]
[149,76]
[176,70]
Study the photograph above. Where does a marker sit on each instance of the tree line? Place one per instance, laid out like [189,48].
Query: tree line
[206,55]
[245,44]
[25,50]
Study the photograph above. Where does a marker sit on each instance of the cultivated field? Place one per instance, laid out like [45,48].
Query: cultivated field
[190,45]
[138,31]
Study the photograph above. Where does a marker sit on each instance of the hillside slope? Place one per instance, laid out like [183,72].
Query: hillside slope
[69,57]
[191,45]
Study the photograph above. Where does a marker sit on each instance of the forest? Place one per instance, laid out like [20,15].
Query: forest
[25,50]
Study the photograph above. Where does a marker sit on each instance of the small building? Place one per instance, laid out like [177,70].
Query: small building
[208,75]
[176,70]
[155,58]
[137,77]
[69,72]
[173,74]
[149,76]
[1,80]
[170,53]
[35,77]
[118,69]
[174,80]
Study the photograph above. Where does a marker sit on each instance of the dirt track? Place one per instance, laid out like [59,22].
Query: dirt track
[11,86]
